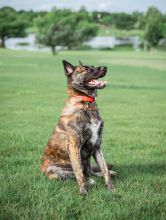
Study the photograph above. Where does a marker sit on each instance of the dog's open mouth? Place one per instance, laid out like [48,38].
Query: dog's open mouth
[95,83]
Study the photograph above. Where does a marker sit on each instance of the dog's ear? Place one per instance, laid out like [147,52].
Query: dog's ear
[69,68]
[80,63]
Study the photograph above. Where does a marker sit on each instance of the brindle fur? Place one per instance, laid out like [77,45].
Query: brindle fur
[78,134]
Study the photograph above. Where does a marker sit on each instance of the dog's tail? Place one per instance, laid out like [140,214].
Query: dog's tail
[96,169]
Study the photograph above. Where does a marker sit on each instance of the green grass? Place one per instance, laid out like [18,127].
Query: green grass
[112,31]
[32,95]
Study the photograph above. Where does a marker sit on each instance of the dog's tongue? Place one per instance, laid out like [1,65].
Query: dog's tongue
[97,83]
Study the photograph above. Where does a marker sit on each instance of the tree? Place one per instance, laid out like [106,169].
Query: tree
[28,16]
[119,20]
[153,33]
[163,26]
[107,20]
[153,26]
[65,28]
[49,28]
[10,24]
[138,19]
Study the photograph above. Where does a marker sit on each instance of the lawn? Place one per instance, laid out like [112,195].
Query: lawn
[133,106]
[112,31]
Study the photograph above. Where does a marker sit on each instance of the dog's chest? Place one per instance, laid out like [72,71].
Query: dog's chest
[94,127]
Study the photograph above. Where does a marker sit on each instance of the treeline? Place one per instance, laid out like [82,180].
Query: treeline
[152,23]
[64,27]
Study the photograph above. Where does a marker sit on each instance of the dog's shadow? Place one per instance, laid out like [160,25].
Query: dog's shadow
[127,170]
[134,172]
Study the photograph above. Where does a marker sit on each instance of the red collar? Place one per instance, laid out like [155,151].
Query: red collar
[78,99]
[83,98]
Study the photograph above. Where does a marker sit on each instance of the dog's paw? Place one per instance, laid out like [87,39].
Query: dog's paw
[83,192]
[110,187]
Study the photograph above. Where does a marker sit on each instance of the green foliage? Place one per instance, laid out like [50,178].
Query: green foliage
[153,13]
[153,26]
[29,16]
[65,28]
[69,29]
[120,20]
[107,20]
[163,26]
[84,31]
[112,31]
[138,18]
[96,16]
[32,96]
[153,33]
[11,24]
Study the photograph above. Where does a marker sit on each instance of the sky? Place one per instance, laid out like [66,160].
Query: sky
[91,5]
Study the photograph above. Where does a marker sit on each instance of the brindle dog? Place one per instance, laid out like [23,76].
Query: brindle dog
[78,134]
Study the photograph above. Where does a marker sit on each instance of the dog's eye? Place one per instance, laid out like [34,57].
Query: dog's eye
[86,69]
[91,69]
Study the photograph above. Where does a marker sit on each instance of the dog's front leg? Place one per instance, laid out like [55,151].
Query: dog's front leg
[75,159]
[99,158]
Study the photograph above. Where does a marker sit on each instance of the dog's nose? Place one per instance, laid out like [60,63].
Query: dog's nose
[103,68]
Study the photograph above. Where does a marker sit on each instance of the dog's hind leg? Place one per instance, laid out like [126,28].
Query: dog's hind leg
[56,172]
[97,171]
[100,174]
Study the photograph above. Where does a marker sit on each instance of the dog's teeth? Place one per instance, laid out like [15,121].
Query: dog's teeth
[97,83]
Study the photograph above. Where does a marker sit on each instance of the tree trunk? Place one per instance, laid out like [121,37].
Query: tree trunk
[53,48]
[145,45]
[3,42]
[69,47]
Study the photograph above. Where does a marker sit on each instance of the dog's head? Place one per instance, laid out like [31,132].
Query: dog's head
[85,78]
